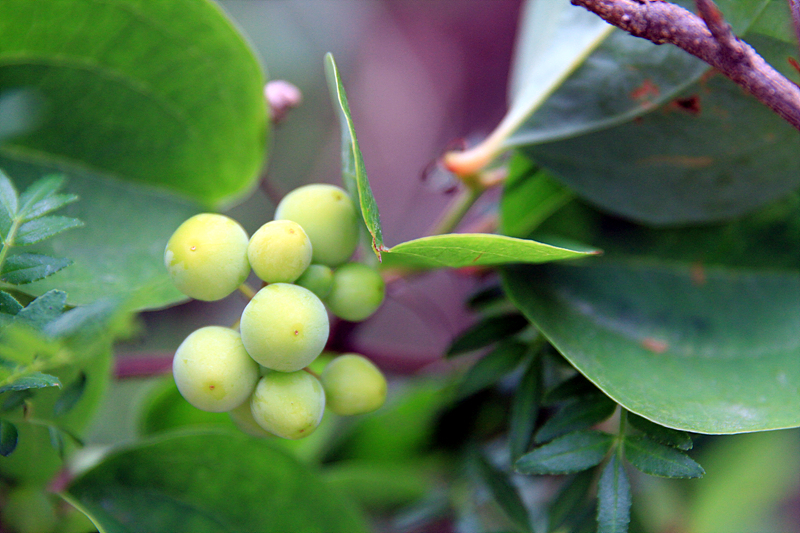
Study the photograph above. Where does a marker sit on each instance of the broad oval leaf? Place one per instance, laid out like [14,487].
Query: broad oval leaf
[162,93]
[456,250]
[210,481]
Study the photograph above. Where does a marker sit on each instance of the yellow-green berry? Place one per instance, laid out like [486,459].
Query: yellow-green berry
[289,405]
[356,292]
[353,385]
[279,251]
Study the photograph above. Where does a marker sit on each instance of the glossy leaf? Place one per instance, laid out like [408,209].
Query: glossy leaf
[664,435]
[21,269]
[613,498]
[36,380]
[579,414]
[456,250]
[658,460]
[126,94]
[210,481]
[571,453]
[525,408]
[487,331]
[503,492]
[354,174]
[491,368]
[43,228]
[8,437]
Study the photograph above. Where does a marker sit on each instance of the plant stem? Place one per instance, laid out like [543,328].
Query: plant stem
[457,209]
[247,290]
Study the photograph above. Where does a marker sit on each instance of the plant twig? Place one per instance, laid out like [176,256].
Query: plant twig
[710,39]
[794,7]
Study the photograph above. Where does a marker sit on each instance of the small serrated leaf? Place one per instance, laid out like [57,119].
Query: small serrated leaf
[613,498]
[656,459]
[43,309]
[37,380]
[43,228]
[491,368]
[40,190]
[488,331]
[525,408]
[8,437]
[671,437]
[49,204]
[571,501]
[573,452]
[503,493]
[580,414]
[8,304]
[8,204]
[70,396]
[26,268]
[570,389]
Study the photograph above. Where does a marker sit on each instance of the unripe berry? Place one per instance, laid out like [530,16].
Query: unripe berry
[279,251]
[353,385]
[357,292]
[284,327]
[242,416]
[213,371]
[289,405]
[206,257]
[329,218]
[318,279]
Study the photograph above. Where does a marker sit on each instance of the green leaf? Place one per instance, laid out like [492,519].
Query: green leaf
[525,408]
[503,492]
[210,481]
[43,228]
[56,441]
[530,195]
[491,368]
[579,414]
[377,486]
[176,105]
[576,387]
[456,250]
[38,194]
[70,395]
[664,435]
[571,453]
[15,399]
[36,380]
[488,331]
[354,174]
[485,298]
[26,268]
[8,204]
[42,310]
[659,460]
[613,498]
[8,437]
[571,502]
[8,304]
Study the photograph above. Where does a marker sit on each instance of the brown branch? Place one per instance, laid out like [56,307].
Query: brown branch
[710,39]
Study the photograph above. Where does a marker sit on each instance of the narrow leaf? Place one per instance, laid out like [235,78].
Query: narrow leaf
[70,396]
[50,204]
[456,250]
[8,204]
[658,460]
[485,298]
[56,440]
[8,304]
[8,437]
[671,437]
[43,228]
[488,331]
[525,409]
[354,173]
[26,268]
[38,191]
[571,501]
[37,380]
[43,309]
[575,387]
[571,453]
[580,414]
[491,368]
[503,493]
[613,498]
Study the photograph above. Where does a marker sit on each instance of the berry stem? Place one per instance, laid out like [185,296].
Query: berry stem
[247,290]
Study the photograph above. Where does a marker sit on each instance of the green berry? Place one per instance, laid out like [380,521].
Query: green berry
[357,292]
[213,371]
[279,251]
[29,510]
[289,405]
[284,327]
[329,218]
[318,279]
[353,385]
[206,257]
[242,416]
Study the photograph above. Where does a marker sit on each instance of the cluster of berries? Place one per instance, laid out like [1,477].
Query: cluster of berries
[259,373]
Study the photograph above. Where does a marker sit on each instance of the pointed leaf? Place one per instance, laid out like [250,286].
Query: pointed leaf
[525,408]
[43,228]
[576,387]
[8,437]
[488,331]
[613,498]
[664,435]
[37,380]
[580,414]
[503,492]
[56,441]
[571,453]
[21,269]
[485,297]
[491,368]
[354,174]
[70,396]
[50,204]
[37,192]
[456,250]
[43,309]
[8,304]
[659,460]
[8,204]
[571,501]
